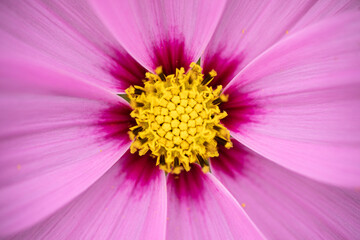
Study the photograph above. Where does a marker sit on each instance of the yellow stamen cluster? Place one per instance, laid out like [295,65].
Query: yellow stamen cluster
[178,118]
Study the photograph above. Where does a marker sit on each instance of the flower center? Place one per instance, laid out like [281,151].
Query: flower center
[178,119]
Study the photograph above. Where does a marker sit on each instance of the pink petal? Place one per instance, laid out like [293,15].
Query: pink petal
[301,102]
[170,33]
[199,207]
[247,28]
[128,202]
[58,135]
[69,35]
[284,204]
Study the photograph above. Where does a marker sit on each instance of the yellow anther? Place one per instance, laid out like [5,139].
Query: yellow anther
[176,131]
[167,96]
[186,166]
[212,73]
[176,99]
[188,109]
[205,169]
[166,127]
[192,131]
[176,170]
[171,106]
[177,140]
[184,145]
[162,141]
[151,117]
[183,126]
[184,134]
[184,94]
[161,132]
[192,103]
[193,114]
[198,107]
[192,94]
[159,119]
[163,103]
[229,145]
[175,91]
[180,109]
[191,123]
[155,126]
[203,114]
[133,114]
[167,119]
[169,136]
[184,102]
[158,70]
[178,119]
[157,110]
[164,111]
[169,144]
[184,118]
[175,123]
[199,99]
[199,121]
[224,98]
[143,150]
[174,114]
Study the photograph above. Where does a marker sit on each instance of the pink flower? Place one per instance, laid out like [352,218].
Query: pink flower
[292,73]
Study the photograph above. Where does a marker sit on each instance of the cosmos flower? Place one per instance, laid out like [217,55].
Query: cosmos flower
[271,154]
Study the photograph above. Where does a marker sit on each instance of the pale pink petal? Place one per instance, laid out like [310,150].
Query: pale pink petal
[249,27]
[58,135]
[284,204]
[200,207]
[69,35]
[298,104]
[128,202]
[170,33]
